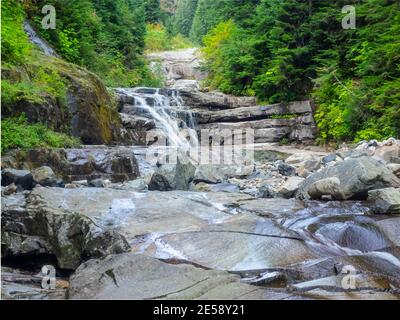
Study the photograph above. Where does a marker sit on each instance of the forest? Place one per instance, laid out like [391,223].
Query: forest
[275,50]
[297,49]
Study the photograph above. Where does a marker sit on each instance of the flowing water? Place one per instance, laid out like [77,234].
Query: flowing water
[166,108]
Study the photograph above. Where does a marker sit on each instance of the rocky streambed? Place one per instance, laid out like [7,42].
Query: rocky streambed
[281,227]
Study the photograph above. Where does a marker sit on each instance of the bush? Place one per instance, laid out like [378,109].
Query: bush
[17,133]
[158,39]
[14,41]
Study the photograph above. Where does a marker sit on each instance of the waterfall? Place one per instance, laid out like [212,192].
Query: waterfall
[166,108]
[35,39]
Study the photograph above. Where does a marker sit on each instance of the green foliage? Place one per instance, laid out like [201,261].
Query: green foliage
[152,11]
[17,133]
[285,50]
[105,36]
[158,39]
[14,41]
[209,13]
[184,16]
[24,75]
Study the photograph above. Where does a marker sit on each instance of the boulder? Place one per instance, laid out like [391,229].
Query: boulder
[96,183]
[286,170]
[138,277]
[45,176]
[136,128]
[357,176]
[32,227]
[87,110]
[385,201]
[173,176]
[387,152]
[10,189]
[305,161]
[290,187]
[329,158]
[325,187]
[138,185]
[395,168]
[219,170]
[21,178]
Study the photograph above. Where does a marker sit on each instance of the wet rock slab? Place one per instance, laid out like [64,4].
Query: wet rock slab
[138,277]
[207,229]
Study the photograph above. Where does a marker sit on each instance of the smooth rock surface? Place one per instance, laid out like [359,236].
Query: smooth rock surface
[357,176]
[385,201]
[137,277]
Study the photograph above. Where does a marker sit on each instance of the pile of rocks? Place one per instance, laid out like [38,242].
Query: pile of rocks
[70,168]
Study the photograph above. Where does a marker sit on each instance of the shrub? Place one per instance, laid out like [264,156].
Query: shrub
[17,133]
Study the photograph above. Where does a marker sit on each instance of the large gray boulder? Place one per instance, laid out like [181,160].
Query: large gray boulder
[173,175]
[385,201]
[325,187]
[357,176]
[138,277]
[21,178]
[45,176]
[32,227]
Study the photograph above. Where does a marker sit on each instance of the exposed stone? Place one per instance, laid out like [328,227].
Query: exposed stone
[286,170]
[89,111]
[329,158]
[21,178]
[216,173]
[38,228]
[115,163]
[178,65]
[96,183]
[357,176]
[45,177]
[290,187]
[395,168]
[10,189]
[216,100]
[137,277]
[135,185]
[325,187]
[254,112]
[385,201]
[173,176]
[305,161]
[387,152]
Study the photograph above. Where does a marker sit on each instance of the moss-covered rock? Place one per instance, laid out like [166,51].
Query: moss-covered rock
[65,97]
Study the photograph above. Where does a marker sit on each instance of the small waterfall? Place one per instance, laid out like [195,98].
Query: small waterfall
[166,108]
[35,39]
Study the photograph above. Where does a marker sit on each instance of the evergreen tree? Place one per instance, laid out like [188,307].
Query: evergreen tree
[184,16]
[152,11]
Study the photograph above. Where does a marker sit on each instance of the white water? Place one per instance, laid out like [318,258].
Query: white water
[172,118]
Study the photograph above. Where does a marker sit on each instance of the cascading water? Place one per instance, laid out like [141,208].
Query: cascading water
[166,108]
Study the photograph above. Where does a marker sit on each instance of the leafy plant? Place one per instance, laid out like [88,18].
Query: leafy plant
[17,133]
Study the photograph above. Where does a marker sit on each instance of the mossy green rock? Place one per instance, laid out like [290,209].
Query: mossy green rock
[83,107]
